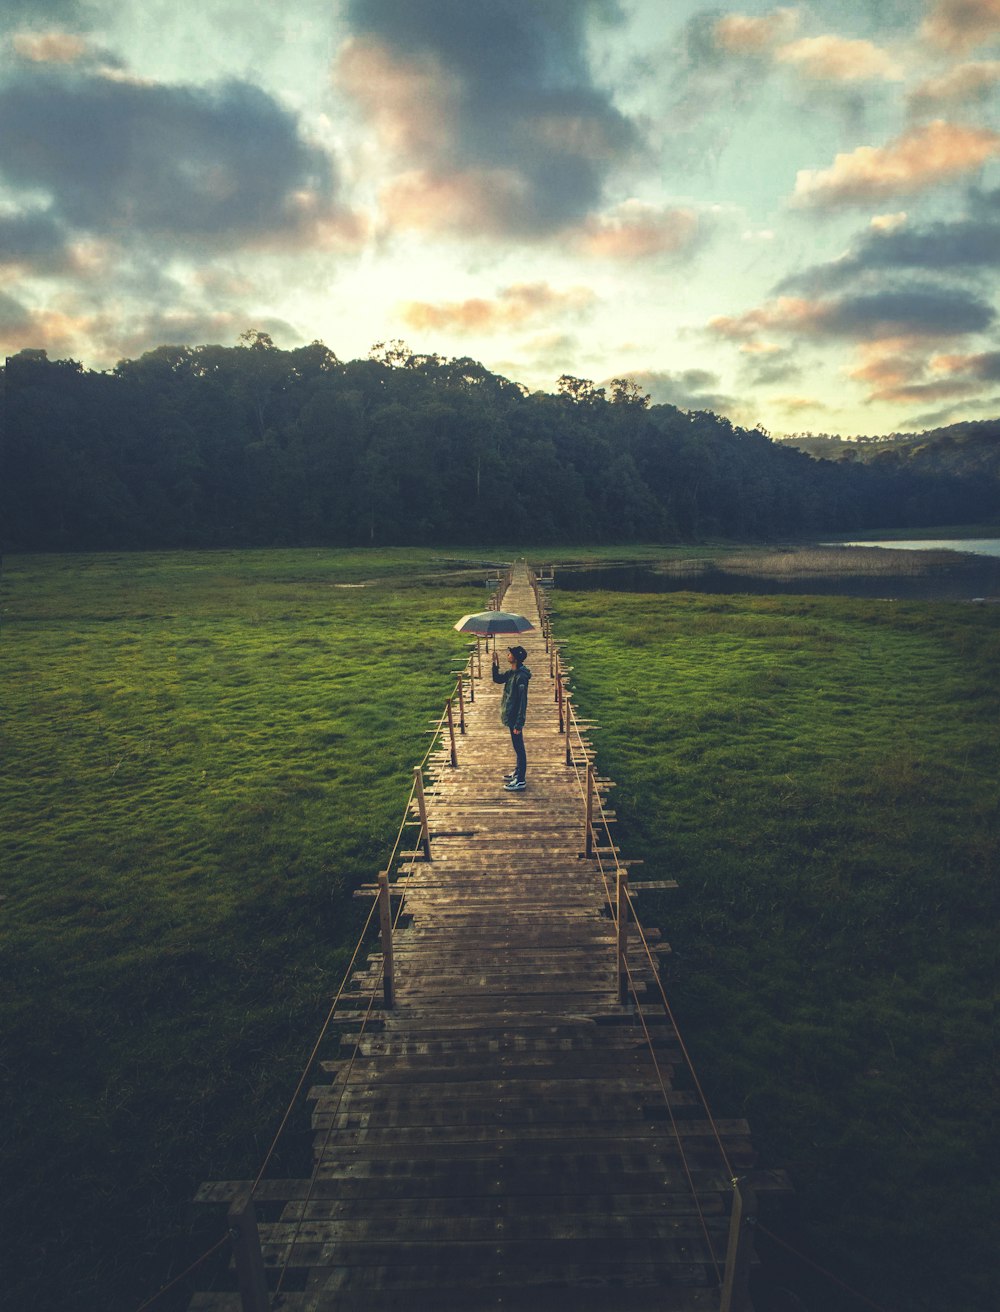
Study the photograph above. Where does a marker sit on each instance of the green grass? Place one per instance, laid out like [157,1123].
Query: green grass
[820,776]
[204,753]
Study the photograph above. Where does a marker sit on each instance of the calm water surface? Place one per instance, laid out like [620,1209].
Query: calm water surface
[968,580]
[976,546]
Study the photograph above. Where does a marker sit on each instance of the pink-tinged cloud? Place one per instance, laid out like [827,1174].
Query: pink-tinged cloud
[909,376]
[49,47]
[835,59]
[742,34]
[48,330]
[786,315]
[794,405]
[960,25]
[638,231]
[411,101]
[984,366]
[966,84]
[512,308]
[922,158]
[482,201]
[885,368]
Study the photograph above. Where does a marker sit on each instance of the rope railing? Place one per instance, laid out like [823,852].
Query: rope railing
[743,1220]
[248,1262]
[242,1230]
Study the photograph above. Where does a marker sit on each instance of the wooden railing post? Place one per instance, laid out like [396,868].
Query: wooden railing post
[451,731]
[621,903]
[559,698]
[569,745]
[479,656]
[739,1255]
[245,1239]
[418,791]
[461,704]
[552,660]
[472,678]
[589,832]
[385,927]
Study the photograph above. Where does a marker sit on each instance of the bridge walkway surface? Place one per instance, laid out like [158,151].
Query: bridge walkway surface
[508,1133]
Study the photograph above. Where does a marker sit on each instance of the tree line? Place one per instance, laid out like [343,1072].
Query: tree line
[252,445]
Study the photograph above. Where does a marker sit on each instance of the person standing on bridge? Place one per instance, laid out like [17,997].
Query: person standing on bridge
[513,708]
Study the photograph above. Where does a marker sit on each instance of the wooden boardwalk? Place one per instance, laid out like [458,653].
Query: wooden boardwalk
[507,1134]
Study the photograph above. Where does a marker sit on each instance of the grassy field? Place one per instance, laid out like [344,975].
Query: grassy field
[820,776]
[204,753]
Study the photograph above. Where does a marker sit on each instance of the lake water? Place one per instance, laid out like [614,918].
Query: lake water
[977,546]
[975,575]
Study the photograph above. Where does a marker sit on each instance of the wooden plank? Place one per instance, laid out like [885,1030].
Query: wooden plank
[508,1132]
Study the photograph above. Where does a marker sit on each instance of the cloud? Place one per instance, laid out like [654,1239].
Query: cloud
[835,59]
[489,113]
[411,102]
[913,312]
[688,389]
[512,307]
[795,405]
[14,317]
[33,238]
[638,231]
[963,246]
[49,47]
[923,157]
[966,84]
[740,34]
[959,25]
[178,164]
[42,11]
[903,377]
[985,366]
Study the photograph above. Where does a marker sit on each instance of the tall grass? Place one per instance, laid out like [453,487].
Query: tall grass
[204,753]
[820,776]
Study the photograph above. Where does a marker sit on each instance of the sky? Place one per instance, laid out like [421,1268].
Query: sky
[786,214]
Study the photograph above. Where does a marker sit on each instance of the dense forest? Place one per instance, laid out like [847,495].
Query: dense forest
[252,445]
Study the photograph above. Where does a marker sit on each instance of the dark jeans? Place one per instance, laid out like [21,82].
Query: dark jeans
[517,739]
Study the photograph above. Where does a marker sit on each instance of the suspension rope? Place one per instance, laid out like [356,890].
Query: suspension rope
[619,870]
[316,1047]
[330,1128]
[642,1019]
[821,1269]
[184,1274]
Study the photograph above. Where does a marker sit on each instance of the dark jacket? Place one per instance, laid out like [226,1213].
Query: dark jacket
[514,702]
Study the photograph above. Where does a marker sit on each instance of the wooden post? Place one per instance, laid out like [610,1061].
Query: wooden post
[479,656]
[589,834]
[385,926]
[621,903]
[735,1294]
[245,1239]
[451,731]
[559,700]
[418,792]
[569,746]
[472,678]
[461,704]
[552,657]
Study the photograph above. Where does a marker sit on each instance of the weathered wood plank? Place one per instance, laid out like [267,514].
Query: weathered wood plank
[506,1134]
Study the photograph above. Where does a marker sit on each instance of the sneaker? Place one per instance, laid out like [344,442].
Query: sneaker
[515,786]
[508,777]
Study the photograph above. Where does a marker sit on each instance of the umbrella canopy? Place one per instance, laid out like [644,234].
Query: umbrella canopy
[493,621]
